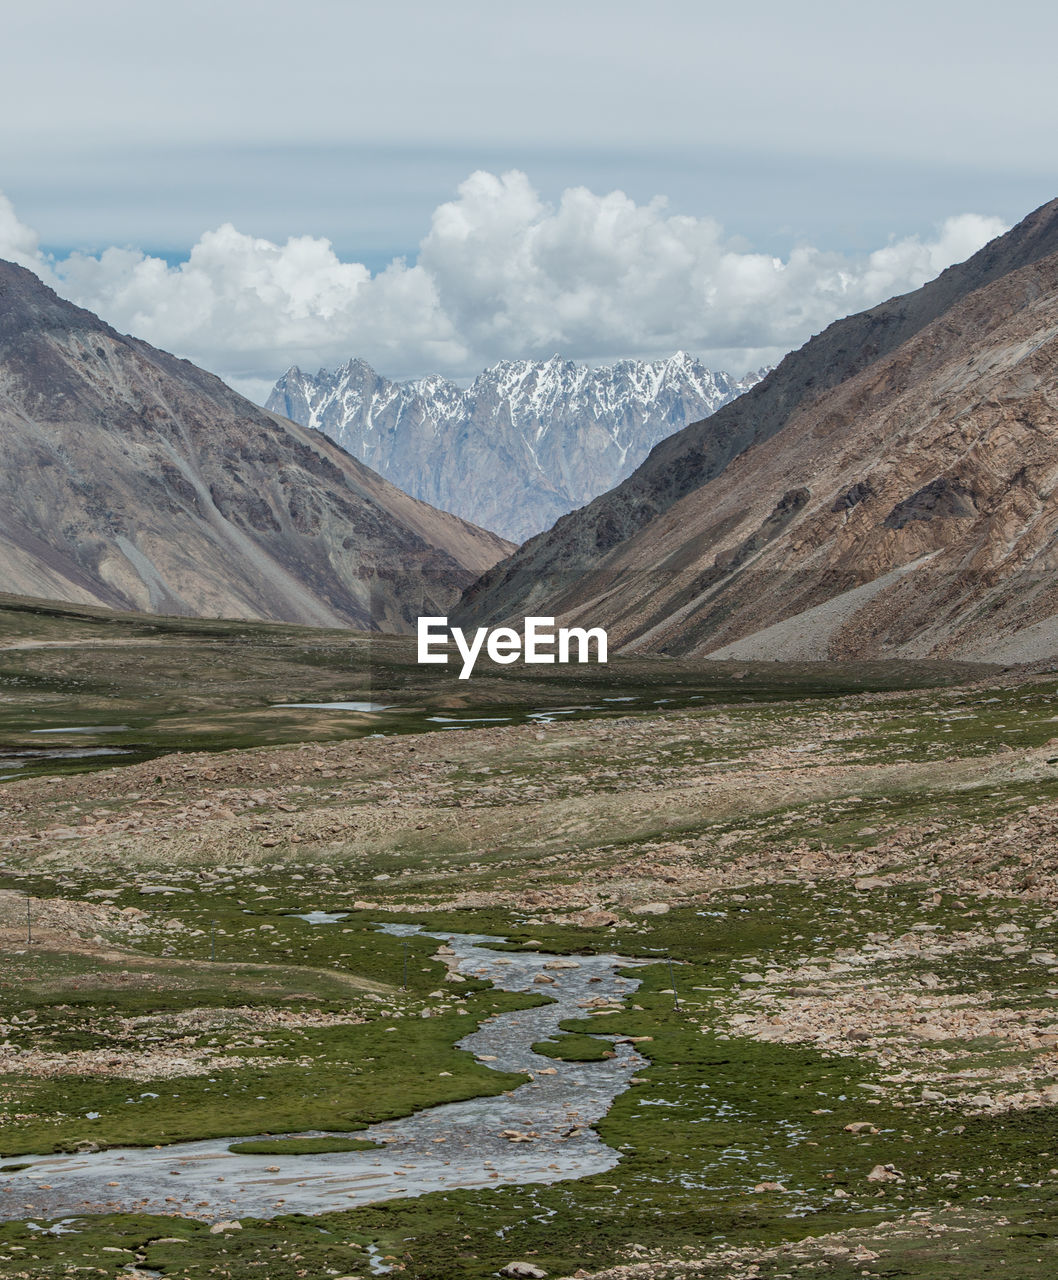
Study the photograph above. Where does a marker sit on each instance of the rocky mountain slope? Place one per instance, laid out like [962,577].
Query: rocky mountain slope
[887,491]
[525,443]
[132,479]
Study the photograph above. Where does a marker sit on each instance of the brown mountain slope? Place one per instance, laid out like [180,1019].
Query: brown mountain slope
[909,511]
[547,570]
[132,479]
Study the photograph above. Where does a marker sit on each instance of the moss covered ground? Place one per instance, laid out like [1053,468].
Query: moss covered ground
[888,832]
[150,685]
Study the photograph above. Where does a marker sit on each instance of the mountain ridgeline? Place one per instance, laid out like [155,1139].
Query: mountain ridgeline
[134,480]
[887,491]
[525,443]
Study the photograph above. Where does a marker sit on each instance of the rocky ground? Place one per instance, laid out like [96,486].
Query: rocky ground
[859,895]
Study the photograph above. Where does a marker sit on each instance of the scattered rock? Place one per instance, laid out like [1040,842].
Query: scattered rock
[595,919]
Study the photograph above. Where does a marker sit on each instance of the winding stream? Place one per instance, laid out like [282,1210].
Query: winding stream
[455,1145]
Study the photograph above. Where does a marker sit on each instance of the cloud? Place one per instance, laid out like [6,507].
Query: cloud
[499,274]
[17,242]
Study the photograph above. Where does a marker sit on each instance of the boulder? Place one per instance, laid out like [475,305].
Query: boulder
[595,919]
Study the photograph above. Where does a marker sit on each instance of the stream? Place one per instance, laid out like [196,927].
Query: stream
[445,1147]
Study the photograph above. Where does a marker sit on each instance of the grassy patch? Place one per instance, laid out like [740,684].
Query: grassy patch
[258,1048]
[301,1146]
[575,1048]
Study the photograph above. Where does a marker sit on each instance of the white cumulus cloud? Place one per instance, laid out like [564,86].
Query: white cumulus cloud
[18,243]
[499,274]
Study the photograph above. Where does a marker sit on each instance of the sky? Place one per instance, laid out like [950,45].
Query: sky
[436,187]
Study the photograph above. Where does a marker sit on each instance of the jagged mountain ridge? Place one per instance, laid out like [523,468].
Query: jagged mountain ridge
[134,480]
[525,443]
[840,469]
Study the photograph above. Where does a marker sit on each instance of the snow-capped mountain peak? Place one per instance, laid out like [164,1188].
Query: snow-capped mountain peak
[526,442]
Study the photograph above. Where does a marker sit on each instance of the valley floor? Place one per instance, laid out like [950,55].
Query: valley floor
[858,1075]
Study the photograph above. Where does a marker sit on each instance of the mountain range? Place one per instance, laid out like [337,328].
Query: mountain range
[889,490]
[135,480]
[525,443]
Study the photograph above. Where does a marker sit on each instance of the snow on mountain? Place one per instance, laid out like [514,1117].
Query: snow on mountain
[526,442]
